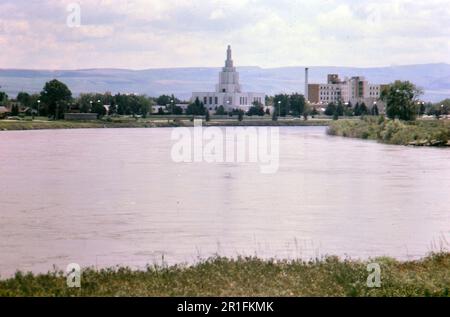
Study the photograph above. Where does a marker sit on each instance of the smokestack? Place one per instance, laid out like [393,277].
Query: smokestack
[306,84]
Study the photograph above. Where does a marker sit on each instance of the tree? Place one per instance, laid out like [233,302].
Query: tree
[439,109]
[268,111]
[56,95]
[98,108]
[197,108]
[335,116]
[220,111]
[400,98]
[340,109]
[84,100]
[444,106]
[15,110]
[240,115]
[357,110]
[297,104]
[24,98]
[281,104]
[177,110]
[422,109]
[3,98]
[112,109]
[363,109]
[348,112]
[307,110]
[375,111]
[256,110]
[274,116]
[34,103]
[135,104]
[122,102]
[305,115]
[331,109]
[143,105]
[164,100]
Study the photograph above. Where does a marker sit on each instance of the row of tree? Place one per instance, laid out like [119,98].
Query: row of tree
[439,109]
[400,97]
[56,99]
[293,104]
[360,109]
[197,108]
[121,104]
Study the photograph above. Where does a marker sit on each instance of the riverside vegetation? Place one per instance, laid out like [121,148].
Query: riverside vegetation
[248,277]
[149,122]
[419,132]
[402,108]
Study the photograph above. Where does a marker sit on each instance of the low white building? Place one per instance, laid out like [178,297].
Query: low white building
[228,91]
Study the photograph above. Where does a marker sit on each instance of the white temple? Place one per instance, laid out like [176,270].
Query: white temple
[228,92]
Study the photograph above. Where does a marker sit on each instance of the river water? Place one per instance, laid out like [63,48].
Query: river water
[106,197]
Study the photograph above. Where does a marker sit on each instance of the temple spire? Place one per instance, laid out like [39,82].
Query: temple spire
[229,61]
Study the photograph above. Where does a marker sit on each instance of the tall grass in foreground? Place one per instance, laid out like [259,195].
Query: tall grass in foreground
[421,132]
[248,277]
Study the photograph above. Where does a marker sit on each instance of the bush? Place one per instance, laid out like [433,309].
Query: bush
[393,131]
[240,115]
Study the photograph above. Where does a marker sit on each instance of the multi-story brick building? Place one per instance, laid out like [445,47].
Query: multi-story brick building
[354,89]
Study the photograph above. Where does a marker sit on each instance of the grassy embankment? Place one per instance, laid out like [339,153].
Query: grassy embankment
[419,133]
[248,277]
[153,122]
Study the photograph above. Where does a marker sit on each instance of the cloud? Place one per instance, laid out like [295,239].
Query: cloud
[174,33]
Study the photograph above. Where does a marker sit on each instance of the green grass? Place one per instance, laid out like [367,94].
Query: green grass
[248,277]
[154,122]
[9,125]
[420,132]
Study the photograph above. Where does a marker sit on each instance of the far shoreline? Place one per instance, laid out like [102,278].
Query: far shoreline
[20,125]
[420,133]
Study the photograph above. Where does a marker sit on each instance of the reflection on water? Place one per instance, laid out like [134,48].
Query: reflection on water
[114,197]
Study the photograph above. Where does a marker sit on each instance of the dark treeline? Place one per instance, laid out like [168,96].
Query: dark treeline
[55,99]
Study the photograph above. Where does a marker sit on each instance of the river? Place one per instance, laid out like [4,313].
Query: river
[107,197]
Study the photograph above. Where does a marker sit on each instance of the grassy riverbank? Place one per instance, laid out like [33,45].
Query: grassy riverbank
[154,122]
[420,132]
[248,277]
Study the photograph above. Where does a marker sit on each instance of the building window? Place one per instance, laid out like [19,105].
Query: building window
[210,100]
[216,100]
[205,100]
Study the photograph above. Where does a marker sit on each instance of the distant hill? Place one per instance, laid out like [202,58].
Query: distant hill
[434,79]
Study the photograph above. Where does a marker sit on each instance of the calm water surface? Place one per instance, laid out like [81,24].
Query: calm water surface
[114,197]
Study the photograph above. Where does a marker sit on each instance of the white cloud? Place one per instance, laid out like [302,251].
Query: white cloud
[268,33]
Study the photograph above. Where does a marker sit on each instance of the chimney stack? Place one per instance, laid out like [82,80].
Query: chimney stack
[306,84]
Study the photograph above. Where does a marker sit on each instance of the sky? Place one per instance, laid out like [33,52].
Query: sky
[141,34]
